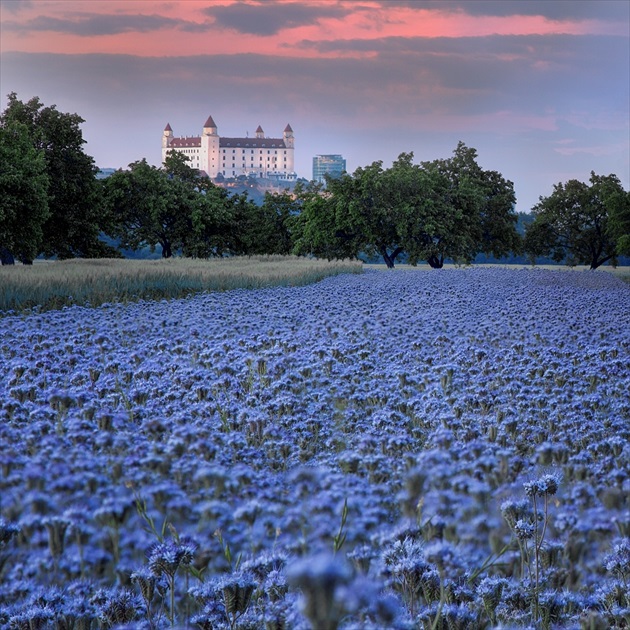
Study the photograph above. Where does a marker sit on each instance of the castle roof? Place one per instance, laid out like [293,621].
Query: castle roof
[179,143]
[232,143]
[253,143]
[259,130]
[288,129]
[209,123]
[168,127]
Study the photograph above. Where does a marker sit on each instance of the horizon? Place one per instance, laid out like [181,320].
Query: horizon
[540,89]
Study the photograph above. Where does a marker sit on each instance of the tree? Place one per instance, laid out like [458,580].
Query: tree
[581,223]
[276,216]
[209,224]
[465,211]
[433,211]
[619,221]
[146,207]
[73,225]
[23,198]
[175,207]
[319,228]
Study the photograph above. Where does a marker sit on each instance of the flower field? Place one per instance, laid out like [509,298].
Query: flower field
[387,450]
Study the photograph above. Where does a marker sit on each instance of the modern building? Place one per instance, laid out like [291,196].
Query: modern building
[214,155]
[333,165]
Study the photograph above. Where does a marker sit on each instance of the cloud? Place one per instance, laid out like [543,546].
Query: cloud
[495,72]
[564,10]
[90,25]
[270,18]
[16,6]
[412,80]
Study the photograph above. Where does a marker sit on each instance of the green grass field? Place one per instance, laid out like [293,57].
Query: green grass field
[53,285]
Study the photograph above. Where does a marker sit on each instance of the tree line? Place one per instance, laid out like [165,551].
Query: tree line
[52,204]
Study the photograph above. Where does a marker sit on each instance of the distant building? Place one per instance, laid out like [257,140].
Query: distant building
[333,165]
[259,156]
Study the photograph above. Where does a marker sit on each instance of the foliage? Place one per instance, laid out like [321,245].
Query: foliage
[23,196]
[469,210]
[74,221]
[183,211]
[318,229]
[146,207]
[619,221]
[442,209]
[581,223]
[276,216]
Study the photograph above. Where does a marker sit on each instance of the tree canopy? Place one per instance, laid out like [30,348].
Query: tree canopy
[181,210]
[581,223]
[432,211]
[73,223]
[23,197]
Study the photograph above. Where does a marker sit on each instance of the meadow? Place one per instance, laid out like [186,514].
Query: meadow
[92,282]
[378,450]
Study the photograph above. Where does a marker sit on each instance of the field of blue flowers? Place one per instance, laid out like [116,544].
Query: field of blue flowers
[398,449]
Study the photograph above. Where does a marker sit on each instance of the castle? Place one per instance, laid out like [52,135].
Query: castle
[261,157]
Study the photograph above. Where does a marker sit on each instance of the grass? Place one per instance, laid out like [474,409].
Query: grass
[92,282]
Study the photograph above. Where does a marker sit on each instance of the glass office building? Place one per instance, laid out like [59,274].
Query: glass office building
[333,165]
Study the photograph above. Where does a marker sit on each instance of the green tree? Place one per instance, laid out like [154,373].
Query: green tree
[580,223]
[204,210]
[174,207]
[433,211]
[619,221]
[465,210]
[320,228]
[277,212]
[74,223]
[209,222]
[23,198]
[146,208]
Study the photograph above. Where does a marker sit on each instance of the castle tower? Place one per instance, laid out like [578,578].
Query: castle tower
[210,128]
[288,137]
[259,132]
[167,136]
[209,149]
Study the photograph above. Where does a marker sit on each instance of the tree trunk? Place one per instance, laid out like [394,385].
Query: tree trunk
[166,249]
[390,258]
[6,257]
[597,263]
[436,262]
[387,258]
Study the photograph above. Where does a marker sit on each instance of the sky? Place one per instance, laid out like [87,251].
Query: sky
[540,88]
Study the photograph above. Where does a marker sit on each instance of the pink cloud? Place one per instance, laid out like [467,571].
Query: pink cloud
[183,28]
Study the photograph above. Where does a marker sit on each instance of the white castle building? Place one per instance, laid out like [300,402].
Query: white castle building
[258,156]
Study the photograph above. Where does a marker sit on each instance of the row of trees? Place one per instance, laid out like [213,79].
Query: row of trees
[52,204]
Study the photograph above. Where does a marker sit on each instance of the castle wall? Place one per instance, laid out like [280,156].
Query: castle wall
[259,156]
